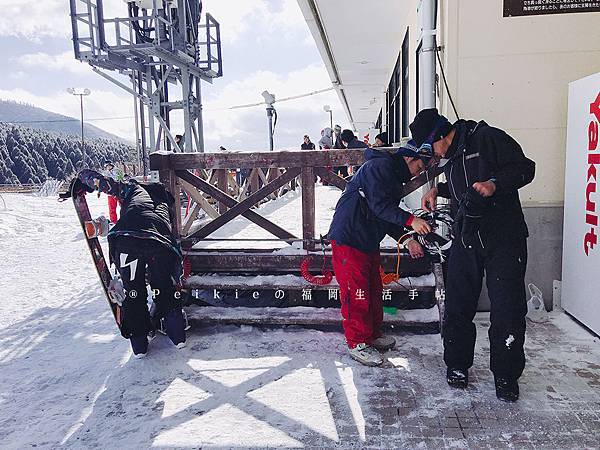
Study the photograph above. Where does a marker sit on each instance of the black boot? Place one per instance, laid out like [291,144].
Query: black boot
[457,378]
[507,390]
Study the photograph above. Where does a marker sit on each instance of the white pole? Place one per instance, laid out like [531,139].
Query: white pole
[427,12]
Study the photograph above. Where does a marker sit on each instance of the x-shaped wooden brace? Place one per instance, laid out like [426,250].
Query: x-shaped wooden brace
[239,208]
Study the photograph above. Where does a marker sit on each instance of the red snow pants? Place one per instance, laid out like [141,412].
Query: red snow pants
[112,208]
[357,273]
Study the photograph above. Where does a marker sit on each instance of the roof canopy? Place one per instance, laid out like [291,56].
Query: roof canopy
[359,42]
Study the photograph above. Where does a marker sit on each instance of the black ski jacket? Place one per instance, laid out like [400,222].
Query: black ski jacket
[146,209]
[480,152]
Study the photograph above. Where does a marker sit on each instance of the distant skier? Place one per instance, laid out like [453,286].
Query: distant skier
[141,244]
[307,144]
[111,172]
[326,141]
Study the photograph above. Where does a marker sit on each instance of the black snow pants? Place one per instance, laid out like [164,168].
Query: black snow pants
[138,260]
[504,264]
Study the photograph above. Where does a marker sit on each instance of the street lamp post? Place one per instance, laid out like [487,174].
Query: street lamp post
[270,100]
[81,93]
[327,108]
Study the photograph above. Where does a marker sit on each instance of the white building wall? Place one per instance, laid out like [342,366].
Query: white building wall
[514,73]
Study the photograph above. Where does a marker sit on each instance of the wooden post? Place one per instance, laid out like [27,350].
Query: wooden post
[222,185]
[308,207]
[254,180]
[169,179]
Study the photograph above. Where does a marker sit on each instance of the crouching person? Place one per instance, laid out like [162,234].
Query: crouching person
[367,211]
[142,245]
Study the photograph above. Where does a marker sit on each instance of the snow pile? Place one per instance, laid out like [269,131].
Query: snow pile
[50,188]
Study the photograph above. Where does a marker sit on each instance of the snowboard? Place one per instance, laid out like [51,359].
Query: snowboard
[85,219]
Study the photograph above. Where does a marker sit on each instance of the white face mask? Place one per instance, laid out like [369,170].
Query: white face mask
[443,162]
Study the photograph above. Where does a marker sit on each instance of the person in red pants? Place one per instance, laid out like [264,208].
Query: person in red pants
[111,172]
[367,211]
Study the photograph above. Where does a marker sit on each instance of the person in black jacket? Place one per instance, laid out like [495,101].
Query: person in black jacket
[367,211]
[142,244]
[484,169]
[307,144]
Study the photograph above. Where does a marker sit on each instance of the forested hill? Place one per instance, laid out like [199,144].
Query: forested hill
[32,156]
[22,114]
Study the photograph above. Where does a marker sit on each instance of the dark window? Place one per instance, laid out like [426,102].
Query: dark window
[405,90]
[397,96]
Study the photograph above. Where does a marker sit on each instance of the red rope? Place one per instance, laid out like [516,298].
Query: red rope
[319,280]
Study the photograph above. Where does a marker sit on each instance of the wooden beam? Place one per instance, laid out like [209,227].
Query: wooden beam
[169,180]
[229,201]
[255,261]
[275,282]
[244,205]
[331,177]
[199,198]
[308,316]
[422,179]
[222,185]
[248,160]
[308,207]
[189,220]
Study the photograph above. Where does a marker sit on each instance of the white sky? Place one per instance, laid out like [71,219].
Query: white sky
[266,45]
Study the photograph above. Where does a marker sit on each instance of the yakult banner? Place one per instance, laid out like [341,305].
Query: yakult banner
[581,249]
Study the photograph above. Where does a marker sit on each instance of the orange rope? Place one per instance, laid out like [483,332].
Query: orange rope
[388,278]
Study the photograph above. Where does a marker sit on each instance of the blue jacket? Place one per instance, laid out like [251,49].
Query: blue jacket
[368,208]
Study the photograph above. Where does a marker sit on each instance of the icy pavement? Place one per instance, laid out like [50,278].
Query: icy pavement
[67,380]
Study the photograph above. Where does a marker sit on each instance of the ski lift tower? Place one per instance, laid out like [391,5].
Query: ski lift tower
[159,51]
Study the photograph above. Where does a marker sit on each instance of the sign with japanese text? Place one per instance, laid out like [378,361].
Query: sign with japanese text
[581,249]
[539,7]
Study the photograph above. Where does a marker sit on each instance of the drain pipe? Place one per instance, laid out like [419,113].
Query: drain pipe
[427,17]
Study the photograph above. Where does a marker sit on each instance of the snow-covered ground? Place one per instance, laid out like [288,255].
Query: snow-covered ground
[68,380]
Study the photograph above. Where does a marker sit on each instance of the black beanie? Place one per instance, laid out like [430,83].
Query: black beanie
[347,136]
[383,137]
[429,126]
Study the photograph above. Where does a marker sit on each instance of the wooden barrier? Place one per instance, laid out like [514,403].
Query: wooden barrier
[208,178]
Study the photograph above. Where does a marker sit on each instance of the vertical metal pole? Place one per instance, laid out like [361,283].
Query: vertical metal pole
[136,121]
[100,18]
[182,13]
[270,117]
[74,28]
[187,120]
[152,107]
[82,137]
[427,12]
[165,110]
[200,118]
[145,159]
[331,119]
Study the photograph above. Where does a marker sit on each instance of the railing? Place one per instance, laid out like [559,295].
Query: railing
[208,177]
[187,171]
[19,188]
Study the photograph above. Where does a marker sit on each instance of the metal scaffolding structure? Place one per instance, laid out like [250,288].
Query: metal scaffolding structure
[165,51]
